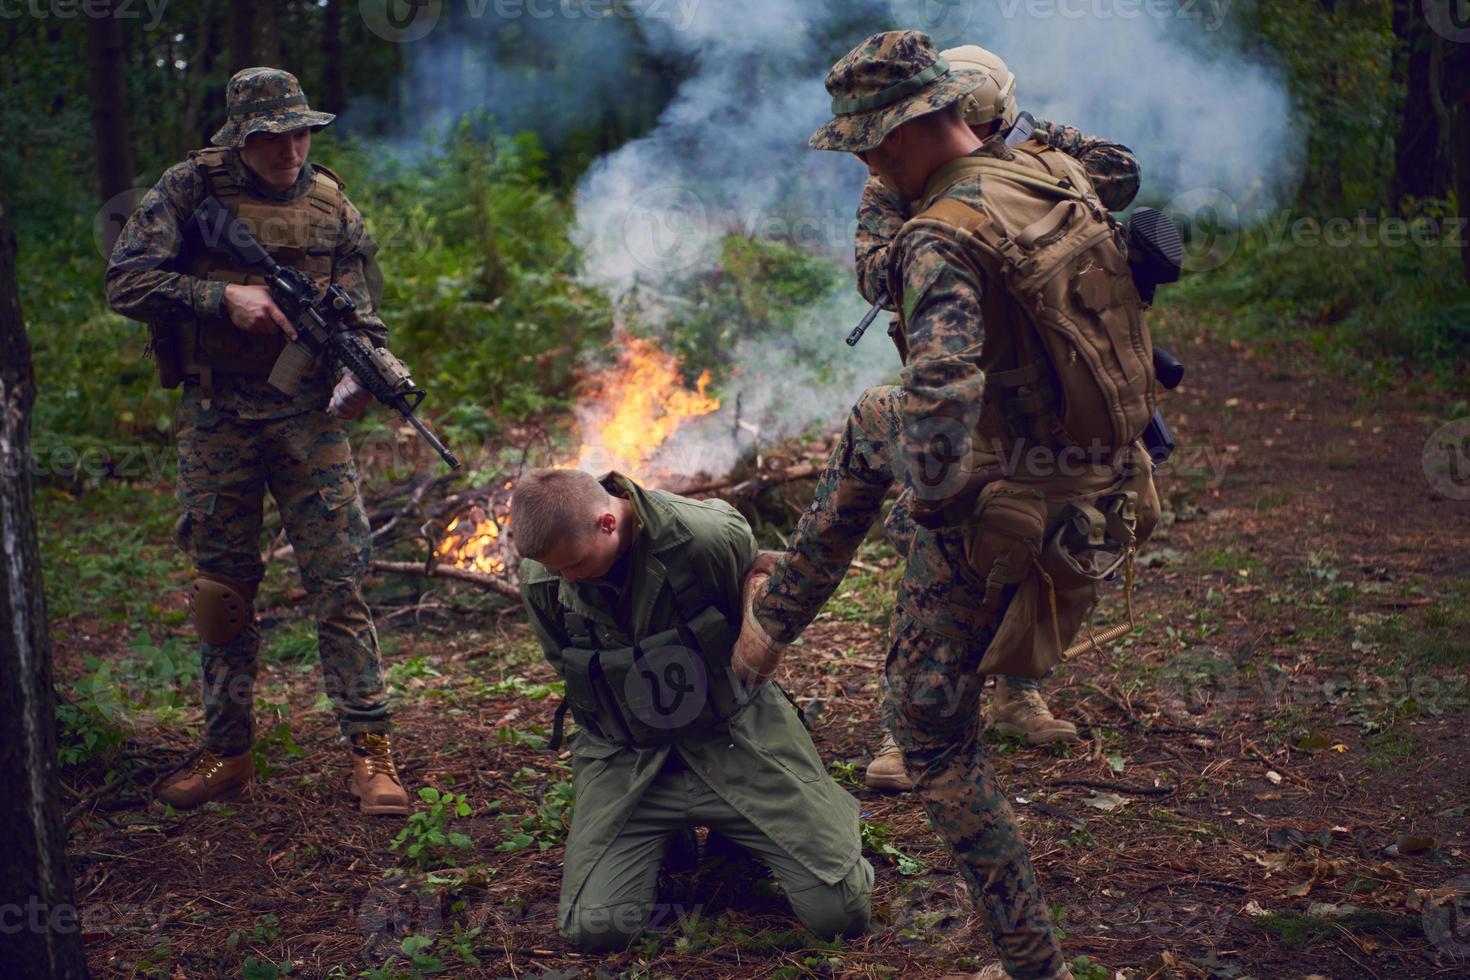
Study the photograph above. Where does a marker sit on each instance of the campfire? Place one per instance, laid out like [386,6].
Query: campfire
[625,415]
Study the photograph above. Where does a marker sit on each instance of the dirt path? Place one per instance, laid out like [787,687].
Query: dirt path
[1280,757]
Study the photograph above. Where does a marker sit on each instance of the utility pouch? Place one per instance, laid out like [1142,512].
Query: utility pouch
[163,344]
[587,694]
[1004,539]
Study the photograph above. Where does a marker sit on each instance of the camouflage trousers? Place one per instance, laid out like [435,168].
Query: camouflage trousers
[931,686]
[225,466]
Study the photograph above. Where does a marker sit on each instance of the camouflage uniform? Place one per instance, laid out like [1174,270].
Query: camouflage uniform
[1115,175]
[938,633]
[241,436]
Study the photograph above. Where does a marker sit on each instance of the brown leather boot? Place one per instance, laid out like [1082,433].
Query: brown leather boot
[1024,712]
[212,777]
[374,777]
[887,770]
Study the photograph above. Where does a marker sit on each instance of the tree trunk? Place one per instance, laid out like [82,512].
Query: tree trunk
[37,898]
[110,133]
[1420,166]
[334,90]
[1457,99]
[265,35]
[242,26]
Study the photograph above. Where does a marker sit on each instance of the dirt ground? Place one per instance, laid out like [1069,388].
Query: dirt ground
[1272,780]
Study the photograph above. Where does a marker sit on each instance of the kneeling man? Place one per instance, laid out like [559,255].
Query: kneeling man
[636,598]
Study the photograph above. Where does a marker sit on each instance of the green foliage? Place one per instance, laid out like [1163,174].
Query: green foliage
[480,291]
[1380,313]
[545,826]
[273,741]
[878,841]
[426,838]
[758,288]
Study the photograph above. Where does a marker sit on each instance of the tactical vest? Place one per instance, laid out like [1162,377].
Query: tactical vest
[302,234]
[672,684]
[1067,356]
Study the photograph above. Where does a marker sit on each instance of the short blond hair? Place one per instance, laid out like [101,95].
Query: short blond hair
[551,506]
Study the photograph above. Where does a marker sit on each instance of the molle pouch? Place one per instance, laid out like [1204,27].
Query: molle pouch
[586,693]
[712,635]
[617,665]
[1004,538]
[163,344]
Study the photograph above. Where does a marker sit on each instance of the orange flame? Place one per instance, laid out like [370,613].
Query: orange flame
[629,411]
[477,547]
[635,406]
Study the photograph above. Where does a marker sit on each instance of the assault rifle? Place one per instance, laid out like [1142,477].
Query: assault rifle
[321,322]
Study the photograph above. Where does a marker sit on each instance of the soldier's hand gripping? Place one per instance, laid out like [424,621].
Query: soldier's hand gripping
[349,398]
[251,309]
[756,656]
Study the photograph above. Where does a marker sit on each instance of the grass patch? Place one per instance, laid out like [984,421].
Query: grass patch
[1297,932]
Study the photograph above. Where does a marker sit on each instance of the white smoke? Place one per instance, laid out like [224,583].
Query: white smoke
[730,155]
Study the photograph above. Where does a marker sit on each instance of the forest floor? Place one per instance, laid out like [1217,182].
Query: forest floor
[1272,781]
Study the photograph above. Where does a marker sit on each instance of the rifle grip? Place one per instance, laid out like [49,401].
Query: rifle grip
[289,367]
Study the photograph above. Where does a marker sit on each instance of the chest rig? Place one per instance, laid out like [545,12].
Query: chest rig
[301,233]
[671,684]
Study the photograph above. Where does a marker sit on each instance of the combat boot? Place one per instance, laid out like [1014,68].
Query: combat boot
[887,770]
[212,777]
[375,780]
[1024,712]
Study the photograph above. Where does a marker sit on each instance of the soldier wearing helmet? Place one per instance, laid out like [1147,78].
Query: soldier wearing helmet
[215,332]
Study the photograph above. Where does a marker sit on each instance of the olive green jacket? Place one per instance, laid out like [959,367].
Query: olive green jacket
[764,765]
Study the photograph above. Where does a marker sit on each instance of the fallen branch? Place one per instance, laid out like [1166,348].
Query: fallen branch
[755,483]
[492,583]
[1115,787]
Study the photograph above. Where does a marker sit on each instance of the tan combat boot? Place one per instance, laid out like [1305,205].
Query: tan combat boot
[374,777]
[887,770]
[212,777]
[1024,712]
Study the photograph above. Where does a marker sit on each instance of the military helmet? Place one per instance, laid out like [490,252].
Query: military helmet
[265,100]
[996,98]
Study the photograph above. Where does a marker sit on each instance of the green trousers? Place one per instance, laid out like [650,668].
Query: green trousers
[618,901]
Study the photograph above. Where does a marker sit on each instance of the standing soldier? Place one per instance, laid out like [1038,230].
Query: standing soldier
[1027,382]
[992,114]
[215,330]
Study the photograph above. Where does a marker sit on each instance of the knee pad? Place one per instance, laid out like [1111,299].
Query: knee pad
[223,606]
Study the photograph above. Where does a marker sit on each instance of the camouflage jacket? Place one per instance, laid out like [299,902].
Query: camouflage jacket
[143,282]
[1112,167]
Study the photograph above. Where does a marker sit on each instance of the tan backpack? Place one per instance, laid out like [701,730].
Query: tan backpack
[1069,368]
[1068,358]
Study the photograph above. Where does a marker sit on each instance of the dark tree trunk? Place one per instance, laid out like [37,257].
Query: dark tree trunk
[35,877]
[265,35]
[334,90]
[110,133]
[1457,99]
[1421,168]
[242,27]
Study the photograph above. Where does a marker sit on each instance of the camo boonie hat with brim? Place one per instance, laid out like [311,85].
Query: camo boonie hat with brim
[265,100]
[883,83]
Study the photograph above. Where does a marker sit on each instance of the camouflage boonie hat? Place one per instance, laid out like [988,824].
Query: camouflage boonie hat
[265,100]
[883,83]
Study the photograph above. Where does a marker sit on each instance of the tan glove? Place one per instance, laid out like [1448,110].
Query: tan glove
[349,398]
[756,656]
